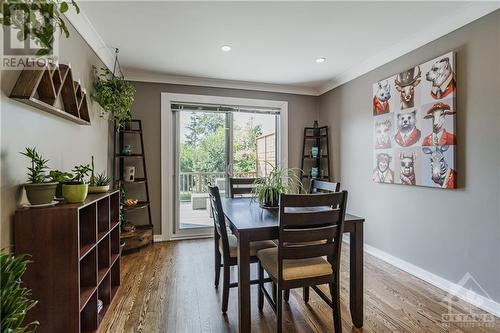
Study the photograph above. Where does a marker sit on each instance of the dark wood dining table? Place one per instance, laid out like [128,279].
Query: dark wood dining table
[249,223]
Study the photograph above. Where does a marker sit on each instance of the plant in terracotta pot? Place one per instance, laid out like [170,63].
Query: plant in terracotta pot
[39,189]
[279,180]
[76,190]
[60,177]
[15,299]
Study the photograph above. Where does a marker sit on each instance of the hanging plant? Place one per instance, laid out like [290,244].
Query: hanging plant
[36,19]
[114,94]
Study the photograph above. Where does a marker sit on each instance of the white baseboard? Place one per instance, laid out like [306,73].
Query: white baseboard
[158,238]
[467,295]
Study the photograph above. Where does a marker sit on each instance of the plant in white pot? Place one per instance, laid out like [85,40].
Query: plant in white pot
[99,183]
[39,190]
[76,190]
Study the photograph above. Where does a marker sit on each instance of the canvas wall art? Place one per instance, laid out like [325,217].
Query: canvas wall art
[414,125]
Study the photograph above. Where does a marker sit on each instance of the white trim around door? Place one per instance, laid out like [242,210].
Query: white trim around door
[167,146]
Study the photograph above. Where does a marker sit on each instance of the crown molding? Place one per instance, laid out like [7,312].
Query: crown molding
[449,23]
[82,24]
[142,76]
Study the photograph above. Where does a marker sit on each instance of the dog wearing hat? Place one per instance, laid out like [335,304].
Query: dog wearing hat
[442,78]
[405,83]
[439,136]
[382,172]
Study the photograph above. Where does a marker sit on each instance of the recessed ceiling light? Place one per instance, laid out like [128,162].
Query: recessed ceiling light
[225,48]
[320,60]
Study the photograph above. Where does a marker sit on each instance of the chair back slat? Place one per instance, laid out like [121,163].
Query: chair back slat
[320,186]
[218,217]
[318,216]
[299,236]
[240,186]
[304,252]
[311,226]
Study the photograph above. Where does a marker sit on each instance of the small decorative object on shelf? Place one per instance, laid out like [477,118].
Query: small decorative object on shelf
[315,153]
[127,149]
[129,173]
[139,233]
[38,190]
[42,88]
[76,190]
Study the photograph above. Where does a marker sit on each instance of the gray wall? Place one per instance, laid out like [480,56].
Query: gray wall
[64,143]
[302,111]
[446,232]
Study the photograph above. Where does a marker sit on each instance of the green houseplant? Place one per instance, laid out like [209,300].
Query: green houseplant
[39,190]
[60,177]
[36,19]
[114,94]
[267,189]
[15,300]
[99,183]
[76,190]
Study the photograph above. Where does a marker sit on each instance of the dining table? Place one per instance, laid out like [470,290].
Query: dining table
[249,222]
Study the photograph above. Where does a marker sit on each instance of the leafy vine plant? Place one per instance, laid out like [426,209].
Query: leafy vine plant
[37,19]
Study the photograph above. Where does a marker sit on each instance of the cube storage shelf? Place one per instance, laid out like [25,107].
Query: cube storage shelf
[75,249]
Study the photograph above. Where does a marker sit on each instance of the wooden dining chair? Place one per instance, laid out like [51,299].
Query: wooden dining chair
[226,247]
[240,186]
[320,186]
[295,262]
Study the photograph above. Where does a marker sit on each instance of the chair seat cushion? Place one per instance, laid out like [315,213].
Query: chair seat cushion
[254,246]
[294,268]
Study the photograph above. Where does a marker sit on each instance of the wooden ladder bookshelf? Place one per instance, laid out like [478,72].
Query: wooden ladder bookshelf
[315,137]
[75,254]
[143,234]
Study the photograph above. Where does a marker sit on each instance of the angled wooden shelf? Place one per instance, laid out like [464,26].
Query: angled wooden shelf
[43,87]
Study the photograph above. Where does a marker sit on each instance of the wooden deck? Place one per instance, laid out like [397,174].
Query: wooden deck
[198,218]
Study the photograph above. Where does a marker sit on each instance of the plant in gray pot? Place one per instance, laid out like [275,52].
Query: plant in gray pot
[60,177]
[39,190]
[76,190]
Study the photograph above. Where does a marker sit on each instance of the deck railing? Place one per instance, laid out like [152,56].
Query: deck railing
[197,182]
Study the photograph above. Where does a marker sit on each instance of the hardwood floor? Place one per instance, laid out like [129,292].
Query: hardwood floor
[169,288]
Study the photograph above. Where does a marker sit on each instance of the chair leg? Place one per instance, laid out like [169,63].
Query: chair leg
[274,292]
[337,317]
[217,267]
[225,290]
[261,285]
[306,294]
[279,310]
[287,295]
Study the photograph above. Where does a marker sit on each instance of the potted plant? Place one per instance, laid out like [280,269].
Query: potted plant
[114,94]
[76,190]
[15,300]
[99,183]
[38,190]
[280,180]
[60,177]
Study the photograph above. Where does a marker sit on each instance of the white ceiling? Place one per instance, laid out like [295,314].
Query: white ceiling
[273,43]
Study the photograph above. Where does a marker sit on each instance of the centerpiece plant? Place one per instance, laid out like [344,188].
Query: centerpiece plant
[114,94]
[267,189]
[39,189]
[76,189]
[15,300]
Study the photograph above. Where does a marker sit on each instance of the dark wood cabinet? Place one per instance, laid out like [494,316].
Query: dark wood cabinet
[75,254]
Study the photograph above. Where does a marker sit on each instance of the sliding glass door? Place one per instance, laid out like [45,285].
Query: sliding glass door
[212,146]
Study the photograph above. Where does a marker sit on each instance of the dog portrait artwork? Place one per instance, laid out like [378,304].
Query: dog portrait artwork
[405,83]
[382,172]
[414,125]
[442,77]
[408,134]
[381,98]
[383,134]
[407,164]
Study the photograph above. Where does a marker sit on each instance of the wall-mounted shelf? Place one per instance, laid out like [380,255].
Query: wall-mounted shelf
[43,87]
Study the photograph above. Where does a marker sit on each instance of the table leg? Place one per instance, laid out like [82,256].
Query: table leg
[243,283]
[356,275]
